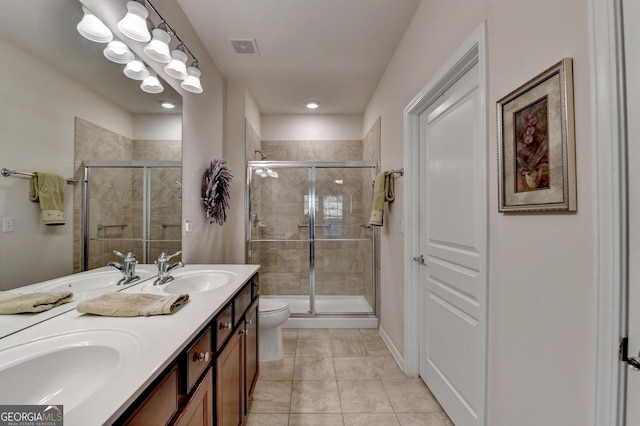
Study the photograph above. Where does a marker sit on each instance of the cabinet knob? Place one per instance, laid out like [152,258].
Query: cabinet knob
[201,356]
[225,326]
[249,322]
[245,331]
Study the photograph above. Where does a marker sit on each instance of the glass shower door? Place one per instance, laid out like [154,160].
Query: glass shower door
[307,228]
[344,244]
[276,239]
[130,206]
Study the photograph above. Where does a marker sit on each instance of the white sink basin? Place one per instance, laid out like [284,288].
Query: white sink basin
[189,282]
[92,283]
[198,282]
[65,369]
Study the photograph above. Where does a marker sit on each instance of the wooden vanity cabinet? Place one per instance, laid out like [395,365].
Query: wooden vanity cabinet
[237,362]
[199,410]
[159,403]
[211,381]
[251,353]
[229,379]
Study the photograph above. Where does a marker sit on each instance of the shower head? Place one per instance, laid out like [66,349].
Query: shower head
[263,156]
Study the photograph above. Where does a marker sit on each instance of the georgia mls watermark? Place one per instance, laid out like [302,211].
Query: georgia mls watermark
[31,415]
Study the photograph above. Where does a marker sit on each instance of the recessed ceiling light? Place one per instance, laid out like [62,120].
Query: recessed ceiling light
[167,104]
[312,104]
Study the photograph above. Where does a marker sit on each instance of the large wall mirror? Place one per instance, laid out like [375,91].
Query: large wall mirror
[65,108]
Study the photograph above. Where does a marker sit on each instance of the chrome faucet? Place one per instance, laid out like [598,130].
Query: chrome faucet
[128,267]
[164,268]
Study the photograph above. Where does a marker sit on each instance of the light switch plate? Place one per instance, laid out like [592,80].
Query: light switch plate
[8,224]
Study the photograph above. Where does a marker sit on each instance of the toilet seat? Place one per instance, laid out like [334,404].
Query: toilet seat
[269,306]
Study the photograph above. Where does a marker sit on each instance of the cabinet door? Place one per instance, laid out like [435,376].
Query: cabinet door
[251,352]
[229,380]
[199,409]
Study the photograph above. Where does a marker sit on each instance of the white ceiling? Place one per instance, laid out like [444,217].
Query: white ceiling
[332,51]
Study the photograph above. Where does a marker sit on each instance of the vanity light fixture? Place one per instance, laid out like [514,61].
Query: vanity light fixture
[177,68]
[92,28]
[167,104]
[136,70]
[118,52]
[134,23]
[151,84]
[158,47]
[312,104]
[192,82]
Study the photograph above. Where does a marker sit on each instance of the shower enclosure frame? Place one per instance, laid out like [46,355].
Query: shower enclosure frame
[312,166]
[146,207]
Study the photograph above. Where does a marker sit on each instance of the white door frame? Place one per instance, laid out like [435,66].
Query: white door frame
[471,52]
[610,200]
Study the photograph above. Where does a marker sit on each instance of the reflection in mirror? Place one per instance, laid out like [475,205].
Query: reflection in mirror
[63,106]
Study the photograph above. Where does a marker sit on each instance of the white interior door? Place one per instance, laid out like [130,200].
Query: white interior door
[453,204]
[631,12]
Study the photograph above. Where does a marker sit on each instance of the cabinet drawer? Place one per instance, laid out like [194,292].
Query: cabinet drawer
[223,326]
[242,302]
[160,405]
[198,358]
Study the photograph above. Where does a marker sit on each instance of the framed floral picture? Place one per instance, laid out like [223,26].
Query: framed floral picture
[536,144]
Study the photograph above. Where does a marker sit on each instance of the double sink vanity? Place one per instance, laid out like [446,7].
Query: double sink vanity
[196,366]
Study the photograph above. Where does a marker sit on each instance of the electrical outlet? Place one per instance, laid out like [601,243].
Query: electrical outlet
[8,224]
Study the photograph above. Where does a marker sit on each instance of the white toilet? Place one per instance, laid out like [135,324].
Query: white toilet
[272,314]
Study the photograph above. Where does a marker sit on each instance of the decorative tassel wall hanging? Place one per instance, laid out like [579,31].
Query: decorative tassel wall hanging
[215,191]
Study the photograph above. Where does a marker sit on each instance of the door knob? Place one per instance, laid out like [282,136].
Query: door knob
[419,259]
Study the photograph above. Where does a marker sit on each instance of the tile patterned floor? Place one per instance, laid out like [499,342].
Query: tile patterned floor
[340,377]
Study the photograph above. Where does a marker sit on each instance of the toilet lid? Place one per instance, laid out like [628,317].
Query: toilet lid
[271,305]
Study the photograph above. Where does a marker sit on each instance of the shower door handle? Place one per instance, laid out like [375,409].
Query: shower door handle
[419,259]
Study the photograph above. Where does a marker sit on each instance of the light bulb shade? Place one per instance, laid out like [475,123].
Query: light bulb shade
[92,28]
[151,84]
[192,82]
[118,52]
[136,70]
[158,47]
[177,68]
[134,23]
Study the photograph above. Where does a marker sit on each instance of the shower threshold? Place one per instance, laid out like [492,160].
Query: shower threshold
[332,311]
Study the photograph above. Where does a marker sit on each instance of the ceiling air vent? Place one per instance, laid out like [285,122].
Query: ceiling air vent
[244,46]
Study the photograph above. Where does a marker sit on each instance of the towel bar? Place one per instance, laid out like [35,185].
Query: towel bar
[6,173]
[121,225]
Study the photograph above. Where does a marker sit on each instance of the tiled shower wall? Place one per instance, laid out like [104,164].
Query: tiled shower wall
[342,268]
[116,195]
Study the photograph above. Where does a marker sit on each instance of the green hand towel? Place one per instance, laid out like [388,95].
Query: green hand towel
[48,190]
[131,305]
[383,190]
[18,303]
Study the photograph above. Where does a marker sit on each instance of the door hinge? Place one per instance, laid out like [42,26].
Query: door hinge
[623,355]
[623,349]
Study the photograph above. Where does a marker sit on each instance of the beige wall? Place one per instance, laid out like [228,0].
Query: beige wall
[542,335]
[37,136]
[311,127]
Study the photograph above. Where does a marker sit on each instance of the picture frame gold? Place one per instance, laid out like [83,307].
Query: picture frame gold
[536,144]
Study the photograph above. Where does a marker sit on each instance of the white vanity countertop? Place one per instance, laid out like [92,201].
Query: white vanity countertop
[161,338]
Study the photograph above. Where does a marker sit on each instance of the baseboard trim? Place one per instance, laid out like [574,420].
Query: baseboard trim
[395,353]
